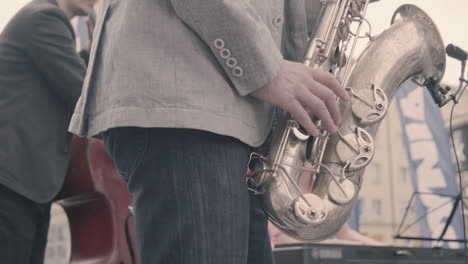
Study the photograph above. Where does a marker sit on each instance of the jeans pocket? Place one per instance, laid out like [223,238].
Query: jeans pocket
[127,147]
[108,139]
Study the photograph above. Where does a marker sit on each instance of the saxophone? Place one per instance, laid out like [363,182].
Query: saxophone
[410,48]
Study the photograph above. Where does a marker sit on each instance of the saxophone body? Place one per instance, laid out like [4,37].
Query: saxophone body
[410,48]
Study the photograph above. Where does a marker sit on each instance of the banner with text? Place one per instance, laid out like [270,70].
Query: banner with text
[433,172]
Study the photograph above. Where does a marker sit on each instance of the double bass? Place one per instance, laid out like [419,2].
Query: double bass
[90,219]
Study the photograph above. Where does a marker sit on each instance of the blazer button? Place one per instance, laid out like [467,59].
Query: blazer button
[225,53]
[231,62]
[219,43]
[237,71]
[277,21]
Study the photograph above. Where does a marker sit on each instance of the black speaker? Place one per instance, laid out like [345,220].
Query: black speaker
[347,254]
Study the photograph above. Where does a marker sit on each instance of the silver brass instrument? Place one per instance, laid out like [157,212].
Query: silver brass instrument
[410,48]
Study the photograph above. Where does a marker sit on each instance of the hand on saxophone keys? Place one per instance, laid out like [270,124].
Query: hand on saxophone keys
[301,90]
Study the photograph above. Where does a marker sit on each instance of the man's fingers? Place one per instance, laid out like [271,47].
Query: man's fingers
[302,117]
[334,110]
[328,97]
[319,109]
[328,80]
[299,89]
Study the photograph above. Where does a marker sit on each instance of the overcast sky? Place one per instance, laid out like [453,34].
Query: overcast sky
[450,16]
[8,8]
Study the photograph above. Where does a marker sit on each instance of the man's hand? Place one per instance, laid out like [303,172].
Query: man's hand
[301,90]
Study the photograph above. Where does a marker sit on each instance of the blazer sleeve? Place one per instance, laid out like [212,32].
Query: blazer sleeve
[237,36]
[51,46]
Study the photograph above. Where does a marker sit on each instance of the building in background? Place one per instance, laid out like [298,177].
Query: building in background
[387,186]
[460,135]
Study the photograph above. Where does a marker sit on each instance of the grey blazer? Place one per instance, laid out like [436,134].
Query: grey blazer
[41,77]
[188,64]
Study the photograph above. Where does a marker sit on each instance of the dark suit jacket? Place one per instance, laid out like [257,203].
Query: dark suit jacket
[40,81]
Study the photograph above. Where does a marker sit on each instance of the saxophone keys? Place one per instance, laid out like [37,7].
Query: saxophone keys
[356,149]
[369,105]
[300,133]
[341,192]
[309,208]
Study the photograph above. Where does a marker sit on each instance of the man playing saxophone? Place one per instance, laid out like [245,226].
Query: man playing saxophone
[182,111]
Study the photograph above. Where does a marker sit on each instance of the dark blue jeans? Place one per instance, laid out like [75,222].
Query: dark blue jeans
[23,228]
[190,198]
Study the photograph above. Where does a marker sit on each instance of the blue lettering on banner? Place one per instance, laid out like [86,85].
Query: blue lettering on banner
[429,154]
